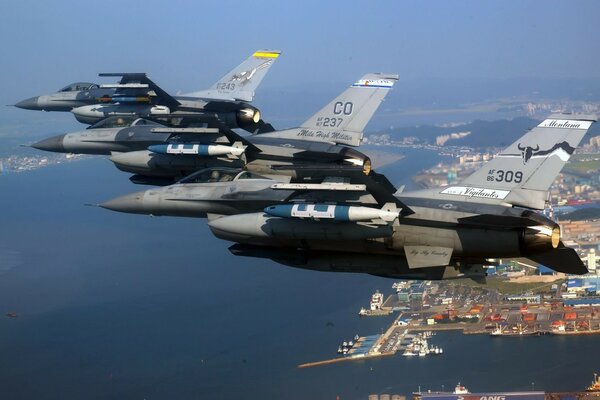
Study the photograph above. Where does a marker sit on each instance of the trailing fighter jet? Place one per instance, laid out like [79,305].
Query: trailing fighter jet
[353,222]
[318,144]
[137,95]
[442,233]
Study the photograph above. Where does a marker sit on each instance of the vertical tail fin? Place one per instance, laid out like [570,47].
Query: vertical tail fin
[523,172]
[353,109]
[241,82]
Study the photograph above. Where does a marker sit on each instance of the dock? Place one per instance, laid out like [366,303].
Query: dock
[431,308]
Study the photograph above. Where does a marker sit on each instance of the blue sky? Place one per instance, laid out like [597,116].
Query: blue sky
[186,45]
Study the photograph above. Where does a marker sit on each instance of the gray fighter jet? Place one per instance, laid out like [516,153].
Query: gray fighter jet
[436,233]
[136,95]
[318,144]
[229,191]
[359,223]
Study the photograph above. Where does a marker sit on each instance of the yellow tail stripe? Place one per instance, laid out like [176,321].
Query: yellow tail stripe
[265,54]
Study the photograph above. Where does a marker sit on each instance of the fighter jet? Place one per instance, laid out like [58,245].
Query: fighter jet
[229,191]
[137,95]
[318,144]
[443,233]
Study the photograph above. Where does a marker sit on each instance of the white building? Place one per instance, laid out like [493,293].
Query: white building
[591,261]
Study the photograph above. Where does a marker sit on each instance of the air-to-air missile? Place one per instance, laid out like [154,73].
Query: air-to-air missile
[227,101]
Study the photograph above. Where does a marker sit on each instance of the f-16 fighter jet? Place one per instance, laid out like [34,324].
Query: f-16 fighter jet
[439,233]
[136,95]
[322,141]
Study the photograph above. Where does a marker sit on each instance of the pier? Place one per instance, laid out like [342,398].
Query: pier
[472,310]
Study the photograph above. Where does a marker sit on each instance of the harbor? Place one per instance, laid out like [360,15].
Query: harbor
[425,308]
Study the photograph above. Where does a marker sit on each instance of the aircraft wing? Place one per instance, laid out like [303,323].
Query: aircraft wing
[232,136]
[139,81]
[377,185]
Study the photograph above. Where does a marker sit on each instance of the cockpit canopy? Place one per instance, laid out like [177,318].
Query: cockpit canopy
[122,122]
[79,86]
[219,174]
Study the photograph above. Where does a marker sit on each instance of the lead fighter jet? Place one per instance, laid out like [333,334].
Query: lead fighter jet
[136,95]
[355,222]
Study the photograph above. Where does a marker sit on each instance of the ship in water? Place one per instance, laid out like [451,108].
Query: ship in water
[419,346]
[592,392]
[516,331]
[375,307]
[595,386]
[376,301]
[462,393]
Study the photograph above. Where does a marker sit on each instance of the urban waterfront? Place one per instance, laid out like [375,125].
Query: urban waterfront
[121,306]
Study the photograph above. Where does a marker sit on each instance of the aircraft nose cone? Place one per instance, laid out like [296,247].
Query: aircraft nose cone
[131,203]
[29,104]
[54,144]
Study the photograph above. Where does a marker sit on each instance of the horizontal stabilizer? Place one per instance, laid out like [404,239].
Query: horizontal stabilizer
[261,127]
[562,259]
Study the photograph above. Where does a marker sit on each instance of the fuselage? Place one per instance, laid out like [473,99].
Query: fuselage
[294,158]
[434,223]
[222,191]
[234,114]
[72,96]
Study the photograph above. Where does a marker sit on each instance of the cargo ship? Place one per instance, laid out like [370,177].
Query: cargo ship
[592,392]
[516,331]
[461,393]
